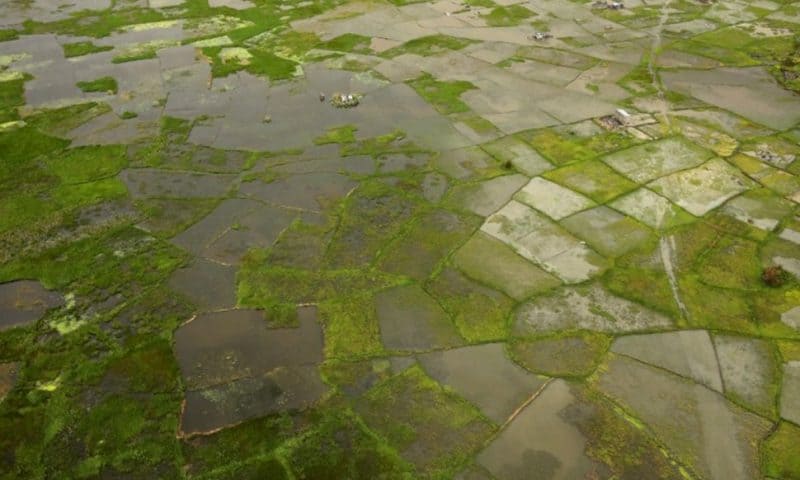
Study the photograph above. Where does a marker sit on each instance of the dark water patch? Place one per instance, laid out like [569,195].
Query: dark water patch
[25,301]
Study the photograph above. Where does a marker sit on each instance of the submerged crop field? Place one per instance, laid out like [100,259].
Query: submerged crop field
[400,239]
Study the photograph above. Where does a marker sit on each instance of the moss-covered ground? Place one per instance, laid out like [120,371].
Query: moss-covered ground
[169,164]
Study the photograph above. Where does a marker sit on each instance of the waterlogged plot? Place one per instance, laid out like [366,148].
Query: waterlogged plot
[23,302]
[651,209]
[585,308]
[508,271]
[607,231]
[654,160]
[399,239]
[486,197]
[687,430]
[552,199]
[688,353]
[229,376]
[541,241]
[704,188]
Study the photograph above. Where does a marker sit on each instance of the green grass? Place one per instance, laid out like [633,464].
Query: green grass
[735,47]
[341,135]
[43,184]
[787,69]
[620,442]
[8,34]
[636,17]
[444,96]
[103,84]
[733,263]
[372,215]
[166,217]
[90,265]
[780,452]
[477,123]
[790,351]
[478,312]
[507,16]
[593,179]
[262,62]
[412,409]
[144,54]
[261,285]
[94,24]
[19,150]
[87,164]
[272,66]
[12,95]
[278,289]
[129,423]
[558,149]
[426,242]
[255,438]
[156,151]
[561,356]
[393,142]
[481,3]
[23,210]
[427,46]
[79,49]
[351,327]
[636,278]
[400,3]
[60,121]
[349,42]
[340,446]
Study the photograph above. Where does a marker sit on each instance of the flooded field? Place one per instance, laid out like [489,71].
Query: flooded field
[400,239]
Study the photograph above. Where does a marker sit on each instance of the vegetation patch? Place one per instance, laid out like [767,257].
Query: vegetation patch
[59,122]
[255,61]
[89,23]
[351,327]
[78,49]
[640,276]
[479,312]
[444,96]
[166,217]
[103,84]
[87,164]
[372,216]
[121,259]
[780,461]
[507,16]
[414,413]
[12,95]
[348,42]
[558,149]
[429,240]
[620,442]
[393,142]
[340,446]
[787,70]
[344,296]
[236,445]
[733,263]
[7,34]
[341,135]
[427,46]
[593,179]
[568,356]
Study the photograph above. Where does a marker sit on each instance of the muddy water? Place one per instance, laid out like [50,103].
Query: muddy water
[24,302]
[236,368]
